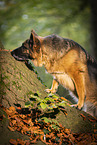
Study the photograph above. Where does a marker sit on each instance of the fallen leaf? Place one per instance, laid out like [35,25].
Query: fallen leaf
[95,130]
[67,131]
[72,137]
[22,116]
[11,129]
[19,108]
[84,117]
[4,116]
[21,142]
[13,141]
[13,122]
[92,120]
[17,119]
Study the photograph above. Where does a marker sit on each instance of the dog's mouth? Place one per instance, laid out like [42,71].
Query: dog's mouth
[19,55]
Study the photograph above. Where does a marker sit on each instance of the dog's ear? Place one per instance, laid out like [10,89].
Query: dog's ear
[35,40]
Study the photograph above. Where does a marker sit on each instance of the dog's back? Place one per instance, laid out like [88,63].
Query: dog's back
[58,47]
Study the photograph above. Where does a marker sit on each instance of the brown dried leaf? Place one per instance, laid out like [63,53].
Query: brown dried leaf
[84,117]
[11,128]
[18,119]
[21,142]
[10,111]
[33,141]
[13,141]
[12,108]
[72,137]
[27,142]
[67,131]
[13,122]
[22,116]
[92,120]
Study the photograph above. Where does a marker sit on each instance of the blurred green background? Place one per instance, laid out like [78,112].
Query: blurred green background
[62,17]
[67,18]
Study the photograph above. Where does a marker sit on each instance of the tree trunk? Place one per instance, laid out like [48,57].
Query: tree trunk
[93,4]
[17,82]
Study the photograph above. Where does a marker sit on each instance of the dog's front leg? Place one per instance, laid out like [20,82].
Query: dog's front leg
[54,87]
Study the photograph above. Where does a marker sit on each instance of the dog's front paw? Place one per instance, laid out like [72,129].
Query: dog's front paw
[76,106]
[50,91]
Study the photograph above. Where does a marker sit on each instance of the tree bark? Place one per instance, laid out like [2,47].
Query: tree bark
[93,5]
[17,82]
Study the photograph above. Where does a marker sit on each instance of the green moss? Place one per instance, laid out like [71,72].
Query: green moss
[13,83]
[8,84]
[16,84]
[4,77]
[2,87]
[19,87]
[29,93]
[21,76]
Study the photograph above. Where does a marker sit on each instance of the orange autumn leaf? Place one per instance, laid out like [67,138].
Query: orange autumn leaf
[17,119]
[42,137]
[92,120]
[22,116]
[13,122]
[11,128]
[60,125]
[19,108]
[33,141]
[10,111]
[25,121]
[21,123]
[30,122]
[12,108]
[21,142]
[59,134]
[13,141]
[27,142]
[63,98]
[4,116]
[84,117]
[67,131]
[72,137]
[95,130]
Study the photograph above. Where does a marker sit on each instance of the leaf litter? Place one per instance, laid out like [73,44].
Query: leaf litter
[51,133]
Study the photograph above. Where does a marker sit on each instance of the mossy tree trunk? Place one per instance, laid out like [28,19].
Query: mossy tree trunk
[17,82]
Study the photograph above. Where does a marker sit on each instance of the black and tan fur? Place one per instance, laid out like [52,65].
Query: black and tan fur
[67,61]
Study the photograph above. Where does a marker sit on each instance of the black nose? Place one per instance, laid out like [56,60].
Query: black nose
[15,53]
[12,52]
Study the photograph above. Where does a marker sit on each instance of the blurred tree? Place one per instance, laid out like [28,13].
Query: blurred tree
[93,22]
[93,4]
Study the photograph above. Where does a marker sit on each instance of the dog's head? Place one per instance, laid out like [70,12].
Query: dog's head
[30,49]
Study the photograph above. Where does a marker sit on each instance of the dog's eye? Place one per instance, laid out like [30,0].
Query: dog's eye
[26,51]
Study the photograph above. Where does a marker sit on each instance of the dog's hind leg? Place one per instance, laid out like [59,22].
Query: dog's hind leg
[79,82]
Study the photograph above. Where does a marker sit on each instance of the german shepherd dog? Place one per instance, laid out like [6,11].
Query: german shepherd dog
[67,61]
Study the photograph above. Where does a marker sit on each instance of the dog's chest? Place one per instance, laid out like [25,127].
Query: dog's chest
[65,81]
